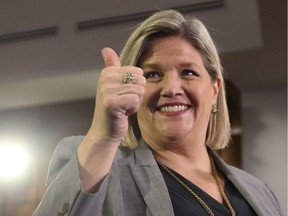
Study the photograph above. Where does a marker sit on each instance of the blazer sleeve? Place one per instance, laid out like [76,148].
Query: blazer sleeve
[63,195]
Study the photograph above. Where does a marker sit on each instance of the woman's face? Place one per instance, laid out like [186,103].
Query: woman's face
[179,93]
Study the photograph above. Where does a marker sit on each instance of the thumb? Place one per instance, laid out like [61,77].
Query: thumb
[110,57]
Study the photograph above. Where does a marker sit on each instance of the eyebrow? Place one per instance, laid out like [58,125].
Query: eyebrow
[182,65]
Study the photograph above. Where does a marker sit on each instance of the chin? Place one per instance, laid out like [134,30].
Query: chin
[174,135]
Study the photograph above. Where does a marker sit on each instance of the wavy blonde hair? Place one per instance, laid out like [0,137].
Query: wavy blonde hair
[172,23]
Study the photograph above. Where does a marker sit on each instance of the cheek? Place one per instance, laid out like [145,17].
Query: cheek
[144,115]
[144,107]
[144,104]
[148,106]
[150,98]
[200,94]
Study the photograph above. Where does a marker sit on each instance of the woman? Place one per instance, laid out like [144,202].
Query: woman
[164,103]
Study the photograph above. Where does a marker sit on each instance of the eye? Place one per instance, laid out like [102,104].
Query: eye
[152,75]
[189,73]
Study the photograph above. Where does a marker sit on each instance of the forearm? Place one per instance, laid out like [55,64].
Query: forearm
[95,157]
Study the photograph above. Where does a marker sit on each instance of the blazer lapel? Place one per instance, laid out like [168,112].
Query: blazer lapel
[246,186]
[247,193]
[150,183]
[152,186]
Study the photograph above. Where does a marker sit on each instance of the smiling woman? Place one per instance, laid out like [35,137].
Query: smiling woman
[150,148]
[176,78]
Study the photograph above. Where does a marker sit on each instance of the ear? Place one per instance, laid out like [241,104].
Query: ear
[216,85]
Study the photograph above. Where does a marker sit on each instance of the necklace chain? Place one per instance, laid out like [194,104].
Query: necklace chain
[202,203]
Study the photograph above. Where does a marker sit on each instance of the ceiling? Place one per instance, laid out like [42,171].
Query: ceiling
[50,51]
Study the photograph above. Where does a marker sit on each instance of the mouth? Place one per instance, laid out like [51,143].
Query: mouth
[173,108]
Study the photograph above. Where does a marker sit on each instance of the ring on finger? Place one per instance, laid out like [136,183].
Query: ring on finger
[129,78]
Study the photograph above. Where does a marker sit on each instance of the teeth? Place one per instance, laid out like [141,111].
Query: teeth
[175,108]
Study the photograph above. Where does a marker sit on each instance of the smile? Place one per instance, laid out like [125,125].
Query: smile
[174,108]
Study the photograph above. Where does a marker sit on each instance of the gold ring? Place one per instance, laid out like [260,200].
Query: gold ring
[129,78]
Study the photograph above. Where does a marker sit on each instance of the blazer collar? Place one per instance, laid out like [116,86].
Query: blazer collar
[150,182]
[158,191]
[143,155]
[247,188]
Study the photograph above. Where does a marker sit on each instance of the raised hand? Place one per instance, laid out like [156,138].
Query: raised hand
[115,101]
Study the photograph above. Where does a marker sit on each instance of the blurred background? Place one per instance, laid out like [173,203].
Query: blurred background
[50,61]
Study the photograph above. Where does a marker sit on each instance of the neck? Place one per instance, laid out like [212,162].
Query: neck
[183,157]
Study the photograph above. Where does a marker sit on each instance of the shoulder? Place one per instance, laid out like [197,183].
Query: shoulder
[63,152]
[234,172]
[245,182]
[251,183]
[66,148]
[245,176]
[67,143]
[255,191]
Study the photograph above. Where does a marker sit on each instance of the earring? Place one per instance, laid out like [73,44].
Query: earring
[214,110]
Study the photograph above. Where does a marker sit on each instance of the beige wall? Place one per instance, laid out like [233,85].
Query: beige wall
[265,138]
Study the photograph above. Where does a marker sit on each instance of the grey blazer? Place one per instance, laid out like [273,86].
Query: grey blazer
[134,186]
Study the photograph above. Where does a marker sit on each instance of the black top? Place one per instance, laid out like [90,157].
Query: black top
[184,203]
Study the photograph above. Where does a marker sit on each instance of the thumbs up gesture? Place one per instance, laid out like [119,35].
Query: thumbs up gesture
[115,99]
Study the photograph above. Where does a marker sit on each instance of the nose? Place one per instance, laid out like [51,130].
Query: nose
[171,85]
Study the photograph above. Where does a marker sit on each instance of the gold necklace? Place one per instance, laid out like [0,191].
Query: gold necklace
[202,203]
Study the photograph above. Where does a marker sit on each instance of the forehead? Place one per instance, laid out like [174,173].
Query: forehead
[172,48]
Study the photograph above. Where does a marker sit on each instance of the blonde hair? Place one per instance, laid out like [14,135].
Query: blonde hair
[172,23]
